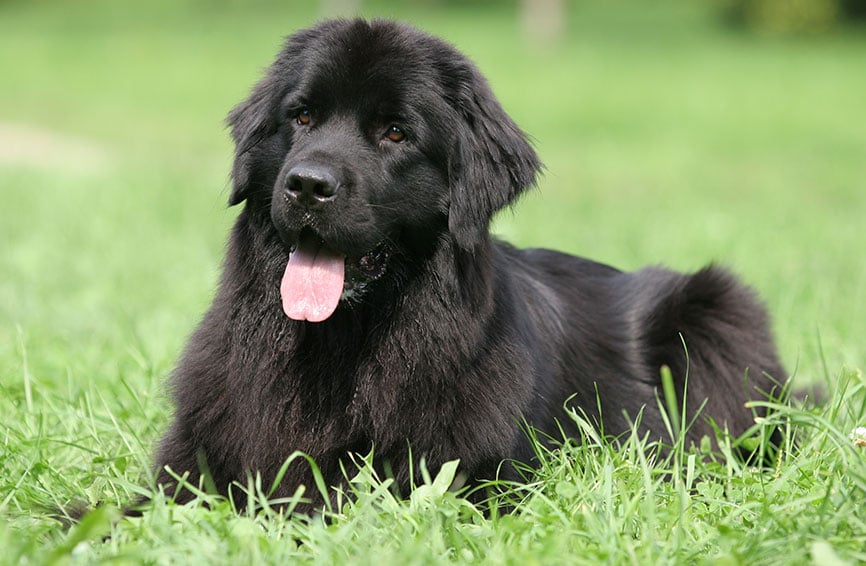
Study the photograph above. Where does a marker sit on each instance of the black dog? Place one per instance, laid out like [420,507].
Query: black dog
[363,304]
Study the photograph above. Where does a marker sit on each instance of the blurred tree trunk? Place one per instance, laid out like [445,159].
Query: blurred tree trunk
[543,21]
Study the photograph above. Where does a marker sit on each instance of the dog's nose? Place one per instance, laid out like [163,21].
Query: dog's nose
[311,184]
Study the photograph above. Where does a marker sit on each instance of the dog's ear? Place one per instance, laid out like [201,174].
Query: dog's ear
[493,162]
[250,122]
[257,117]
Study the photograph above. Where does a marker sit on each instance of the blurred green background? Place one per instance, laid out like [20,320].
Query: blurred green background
[674,132]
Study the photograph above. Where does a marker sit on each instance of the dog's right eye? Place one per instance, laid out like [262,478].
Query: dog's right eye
[304,117]
[395,134]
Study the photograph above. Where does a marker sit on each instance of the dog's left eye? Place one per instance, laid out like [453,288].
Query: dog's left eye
[304,117]
[395,134]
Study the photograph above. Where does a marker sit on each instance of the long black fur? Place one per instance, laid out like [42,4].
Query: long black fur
[460,338]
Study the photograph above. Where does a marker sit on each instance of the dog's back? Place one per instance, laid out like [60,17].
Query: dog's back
[610,333]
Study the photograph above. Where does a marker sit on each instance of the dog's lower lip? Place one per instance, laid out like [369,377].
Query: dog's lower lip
[372,264]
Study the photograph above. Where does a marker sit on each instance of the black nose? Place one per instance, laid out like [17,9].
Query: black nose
[311,184]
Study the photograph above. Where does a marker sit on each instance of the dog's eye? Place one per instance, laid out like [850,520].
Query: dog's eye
[395,134]
[304,117]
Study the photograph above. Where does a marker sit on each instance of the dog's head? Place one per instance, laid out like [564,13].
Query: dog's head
[364,137]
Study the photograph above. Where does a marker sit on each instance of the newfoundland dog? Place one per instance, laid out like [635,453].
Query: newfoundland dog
[364,306]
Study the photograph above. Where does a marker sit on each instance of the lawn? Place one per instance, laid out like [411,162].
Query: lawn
[667,138]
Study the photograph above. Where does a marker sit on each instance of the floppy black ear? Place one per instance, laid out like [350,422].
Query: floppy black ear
[257,117]
[494,161]
[251,121]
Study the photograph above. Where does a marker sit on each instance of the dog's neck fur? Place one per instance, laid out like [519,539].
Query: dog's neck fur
[339,373]
[394,302]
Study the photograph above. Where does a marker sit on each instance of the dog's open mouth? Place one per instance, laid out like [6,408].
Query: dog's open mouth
[317,277]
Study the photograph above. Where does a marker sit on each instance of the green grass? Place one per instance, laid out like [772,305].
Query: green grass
[667,139]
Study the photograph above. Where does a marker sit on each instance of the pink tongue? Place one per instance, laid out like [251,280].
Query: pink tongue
[313,281]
